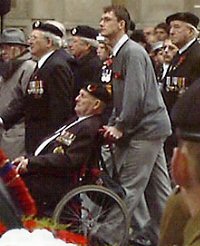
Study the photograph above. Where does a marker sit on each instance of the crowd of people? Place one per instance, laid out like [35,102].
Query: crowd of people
[138,86]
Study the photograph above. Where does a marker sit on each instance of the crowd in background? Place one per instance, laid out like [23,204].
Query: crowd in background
[146,71]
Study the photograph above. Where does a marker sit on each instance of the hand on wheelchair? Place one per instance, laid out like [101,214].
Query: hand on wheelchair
[20,164]
[111,133]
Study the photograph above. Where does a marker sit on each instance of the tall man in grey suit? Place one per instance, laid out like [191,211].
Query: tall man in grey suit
[139,121]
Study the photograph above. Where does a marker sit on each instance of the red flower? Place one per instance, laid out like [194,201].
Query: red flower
[30,224]
[180,61]
[109,62]
[117,75]
[3,229]
[71,237]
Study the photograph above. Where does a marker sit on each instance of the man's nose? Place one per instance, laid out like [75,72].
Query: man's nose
[77,98]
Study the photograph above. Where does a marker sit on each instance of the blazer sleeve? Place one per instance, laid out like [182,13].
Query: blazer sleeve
[75,155]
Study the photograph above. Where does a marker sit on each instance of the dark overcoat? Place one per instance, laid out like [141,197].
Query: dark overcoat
[48,100]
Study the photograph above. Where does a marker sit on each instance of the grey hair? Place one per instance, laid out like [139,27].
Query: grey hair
[56,40]
[195,30]
[61,27]
[94,43]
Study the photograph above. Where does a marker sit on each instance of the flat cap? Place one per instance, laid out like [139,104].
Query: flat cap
[99,91]
[47,27]
[184,16]
[85,32]
[185,114]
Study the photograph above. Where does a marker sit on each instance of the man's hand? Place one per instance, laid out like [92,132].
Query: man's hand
[21,164]
[112,133]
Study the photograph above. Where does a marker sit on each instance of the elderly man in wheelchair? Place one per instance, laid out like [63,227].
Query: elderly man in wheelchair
[64,158]
[53,168]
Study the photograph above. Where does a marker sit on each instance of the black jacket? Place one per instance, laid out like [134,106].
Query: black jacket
[48,101]
[52,172]
[187,66]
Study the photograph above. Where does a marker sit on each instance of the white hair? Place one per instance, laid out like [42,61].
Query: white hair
[94,43]
[196,32]
[61,27]
[57,41]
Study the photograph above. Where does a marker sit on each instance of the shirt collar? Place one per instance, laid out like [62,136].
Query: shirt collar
[44,58]
[119,44]
[83,117]
[186,46]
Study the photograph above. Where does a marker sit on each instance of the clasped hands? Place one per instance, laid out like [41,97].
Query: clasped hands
[21,164]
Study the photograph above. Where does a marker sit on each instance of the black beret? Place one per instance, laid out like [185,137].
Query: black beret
[84,31]
[185,114]
[184,16]
[99,91]
[46,27]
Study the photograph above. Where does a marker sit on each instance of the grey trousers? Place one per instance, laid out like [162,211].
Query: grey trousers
[143,170]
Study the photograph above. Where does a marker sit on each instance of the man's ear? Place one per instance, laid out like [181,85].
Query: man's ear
[49,42]
[122,24]
[97,104]
[180,168]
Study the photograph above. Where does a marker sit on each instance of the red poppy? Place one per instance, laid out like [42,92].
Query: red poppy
[71,237]
[109,62]
[117,75]
[3,228]
[30,224]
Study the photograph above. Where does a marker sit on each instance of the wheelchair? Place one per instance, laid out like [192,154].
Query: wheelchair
[87,210]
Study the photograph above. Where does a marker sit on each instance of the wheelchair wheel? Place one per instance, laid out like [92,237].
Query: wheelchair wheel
[88,209]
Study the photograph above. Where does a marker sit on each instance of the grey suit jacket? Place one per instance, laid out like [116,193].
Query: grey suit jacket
[139,109]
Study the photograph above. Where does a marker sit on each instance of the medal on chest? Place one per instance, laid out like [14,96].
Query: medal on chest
[36,88]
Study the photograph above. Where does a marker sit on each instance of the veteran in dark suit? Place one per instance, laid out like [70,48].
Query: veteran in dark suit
[48,100]
[76,143]
[185,67]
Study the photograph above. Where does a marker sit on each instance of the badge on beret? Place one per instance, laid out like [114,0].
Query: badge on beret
[66,138]
[74,31]
[37,24]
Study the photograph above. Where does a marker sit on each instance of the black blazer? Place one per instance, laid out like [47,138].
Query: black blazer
[48,101]
[186,65]
[50,173]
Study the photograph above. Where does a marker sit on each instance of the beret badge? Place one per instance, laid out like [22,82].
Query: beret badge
[74,31]
[37,24]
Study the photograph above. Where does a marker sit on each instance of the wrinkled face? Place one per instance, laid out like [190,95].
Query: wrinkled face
[180,33]
[169,51]
[9,51]
[78,47]
[109,25]
[160,34]
[85,103]
[39,44]
[102,51]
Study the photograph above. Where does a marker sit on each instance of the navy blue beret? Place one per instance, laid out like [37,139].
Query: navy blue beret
[99,91]
[84,31]
[46,27]
[184,16]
